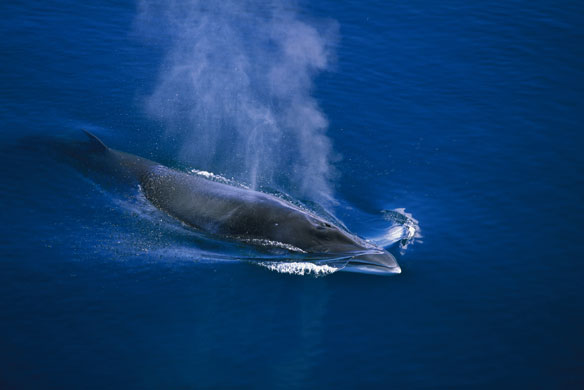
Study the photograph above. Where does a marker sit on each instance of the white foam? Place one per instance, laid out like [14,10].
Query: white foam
[405,229]
[217,178]
[277,244]
[299,268]
[206,174]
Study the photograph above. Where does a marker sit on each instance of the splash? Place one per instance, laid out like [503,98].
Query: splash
[273,244]
[404,229]
[218,178]
[299,268]
[235,90]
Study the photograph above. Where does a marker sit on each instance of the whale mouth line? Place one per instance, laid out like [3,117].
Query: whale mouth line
[381,263]
[366,267]
[373,262]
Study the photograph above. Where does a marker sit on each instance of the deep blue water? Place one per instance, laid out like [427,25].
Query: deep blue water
[469,116]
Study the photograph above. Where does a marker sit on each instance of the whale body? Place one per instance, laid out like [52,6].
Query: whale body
[241,214]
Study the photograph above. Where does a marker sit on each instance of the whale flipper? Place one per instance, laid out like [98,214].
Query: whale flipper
[96,142]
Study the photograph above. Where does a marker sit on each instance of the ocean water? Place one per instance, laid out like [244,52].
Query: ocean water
[467,117]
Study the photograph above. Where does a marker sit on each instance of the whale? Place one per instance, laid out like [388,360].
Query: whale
[241,214]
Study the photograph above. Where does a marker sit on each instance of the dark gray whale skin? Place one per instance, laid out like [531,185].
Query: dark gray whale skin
[241,214]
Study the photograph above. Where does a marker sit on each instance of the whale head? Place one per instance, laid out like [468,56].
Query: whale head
[362,256]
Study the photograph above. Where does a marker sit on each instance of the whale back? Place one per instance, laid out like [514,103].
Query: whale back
[215,207]
[121,164]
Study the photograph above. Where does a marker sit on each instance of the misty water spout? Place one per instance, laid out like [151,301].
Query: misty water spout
[235,90]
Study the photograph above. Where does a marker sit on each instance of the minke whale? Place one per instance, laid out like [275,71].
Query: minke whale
[241,214]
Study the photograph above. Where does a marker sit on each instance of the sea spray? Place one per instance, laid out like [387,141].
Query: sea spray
[235,88]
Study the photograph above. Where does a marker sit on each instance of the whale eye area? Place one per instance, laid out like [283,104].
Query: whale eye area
[324,226]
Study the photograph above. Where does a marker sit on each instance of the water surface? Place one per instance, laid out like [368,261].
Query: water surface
[467,115]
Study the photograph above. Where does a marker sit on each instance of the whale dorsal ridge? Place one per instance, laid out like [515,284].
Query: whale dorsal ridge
[96,142]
